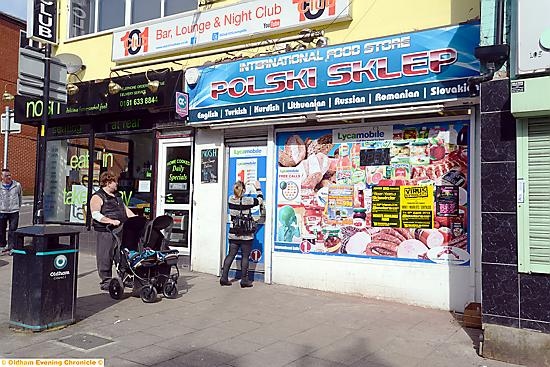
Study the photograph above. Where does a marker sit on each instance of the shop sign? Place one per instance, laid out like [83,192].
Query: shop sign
[225,24]
[426,66]
[182,104]
[42,21]
[93,98]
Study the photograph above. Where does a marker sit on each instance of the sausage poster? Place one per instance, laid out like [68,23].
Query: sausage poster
[408,204]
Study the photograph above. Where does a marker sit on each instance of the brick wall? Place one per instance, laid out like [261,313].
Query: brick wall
[22,146]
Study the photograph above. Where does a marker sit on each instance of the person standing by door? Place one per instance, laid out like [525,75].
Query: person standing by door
[240,235]
[11,198]
[107,208]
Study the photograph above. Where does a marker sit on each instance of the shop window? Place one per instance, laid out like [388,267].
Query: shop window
[82,17]
[66,183]
[143,10]
[179,6]
[129,157]
[534,196]
[111,14]
[390,192]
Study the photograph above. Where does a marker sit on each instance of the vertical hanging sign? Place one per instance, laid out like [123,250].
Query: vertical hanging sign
[42,20]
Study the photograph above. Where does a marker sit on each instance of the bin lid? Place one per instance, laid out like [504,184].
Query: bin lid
[44,230]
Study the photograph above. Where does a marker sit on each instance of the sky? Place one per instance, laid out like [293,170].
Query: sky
[17,8]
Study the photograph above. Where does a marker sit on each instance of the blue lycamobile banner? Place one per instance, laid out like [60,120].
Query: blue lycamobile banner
[425,66]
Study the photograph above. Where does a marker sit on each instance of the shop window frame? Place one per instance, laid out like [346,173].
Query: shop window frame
[92,136]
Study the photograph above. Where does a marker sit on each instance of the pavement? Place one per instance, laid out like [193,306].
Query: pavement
[267,325]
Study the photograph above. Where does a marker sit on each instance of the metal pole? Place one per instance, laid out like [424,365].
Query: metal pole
[41,171]
[6,133]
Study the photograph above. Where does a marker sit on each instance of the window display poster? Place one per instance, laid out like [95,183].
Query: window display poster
[289,185]
[393,192]
[386,208]
[178,173]
[209,165]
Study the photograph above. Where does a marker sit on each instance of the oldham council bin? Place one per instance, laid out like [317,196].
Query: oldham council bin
[43,290]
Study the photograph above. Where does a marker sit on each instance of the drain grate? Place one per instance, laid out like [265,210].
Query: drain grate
[85,341]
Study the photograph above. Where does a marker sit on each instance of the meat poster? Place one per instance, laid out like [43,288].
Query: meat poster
[401,180]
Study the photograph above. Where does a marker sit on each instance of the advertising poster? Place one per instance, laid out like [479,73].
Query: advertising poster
[417,204]
[209,165]
[394,192]
[288,189]
[385,206]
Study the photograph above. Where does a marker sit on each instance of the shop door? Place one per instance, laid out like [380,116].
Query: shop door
[248,164]
[174,189]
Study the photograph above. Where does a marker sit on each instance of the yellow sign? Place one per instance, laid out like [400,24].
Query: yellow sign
[416,206]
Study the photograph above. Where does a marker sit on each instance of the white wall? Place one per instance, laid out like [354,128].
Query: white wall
[429,285]
[207,216]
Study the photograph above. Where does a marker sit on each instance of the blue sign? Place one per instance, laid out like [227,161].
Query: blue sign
[426,66]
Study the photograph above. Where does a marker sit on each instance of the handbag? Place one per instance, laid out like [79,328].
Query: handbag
[243,224]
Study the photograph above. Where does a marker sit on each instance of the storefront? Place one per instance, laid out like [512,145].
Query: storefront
[133,132]
[371,155]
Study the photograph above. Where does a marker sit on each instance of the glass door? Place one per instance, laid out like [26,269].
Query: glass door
[174,189]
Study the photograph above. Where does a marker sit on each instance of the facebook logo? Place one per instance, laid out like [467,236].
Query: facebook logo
[193,40]
[215,36]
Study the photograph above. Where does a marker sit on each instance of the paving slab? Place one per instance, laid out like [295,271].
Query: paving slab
[267,325]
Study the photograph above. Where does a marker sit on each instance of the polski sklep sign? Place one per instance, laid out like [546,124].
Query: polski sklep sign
[225,24]
[431,65]
[42,21]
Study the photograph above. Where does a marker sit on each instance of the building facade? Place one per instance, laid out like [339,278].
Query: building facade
[361,129]
[515,163]
[21,145]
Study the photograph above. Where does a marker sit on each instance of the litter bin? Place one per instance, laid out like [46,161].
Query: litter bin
[45,264]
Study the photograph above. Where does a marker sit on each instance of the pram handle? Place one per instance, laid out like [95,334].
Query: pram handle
[114,229]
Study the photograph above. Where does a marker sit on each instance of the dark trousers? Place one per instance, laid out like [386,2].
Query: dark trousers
[234,245]
[104,254]
[13,219]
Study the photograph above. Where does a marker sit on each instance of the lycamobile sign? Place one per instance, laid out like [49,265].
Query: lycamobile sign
[367,133]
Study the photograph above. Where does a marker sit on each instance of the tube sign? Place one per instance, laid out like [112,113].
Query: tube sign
[431,65]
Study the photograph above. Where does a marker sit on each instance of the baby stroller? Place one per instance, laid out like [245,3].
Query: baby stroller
[143,260]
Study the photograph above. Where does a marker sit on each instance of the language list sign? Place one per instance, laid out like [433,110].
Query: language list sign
[209,165]
[416,205]
[386,206]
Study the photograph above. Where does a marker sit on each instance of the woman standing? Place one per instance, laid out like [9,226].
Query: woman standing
[240,233]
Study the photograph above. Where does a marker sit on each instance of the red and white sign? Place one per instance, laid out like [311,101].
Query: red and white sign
[225,24]
[255,256]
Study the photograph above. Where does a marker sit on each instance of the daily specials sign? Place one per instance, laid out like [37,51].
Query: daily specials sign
[431,65]
[225,24]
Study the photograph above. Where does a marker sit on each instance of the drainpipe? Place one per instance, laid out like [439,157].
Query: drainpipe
[491,55]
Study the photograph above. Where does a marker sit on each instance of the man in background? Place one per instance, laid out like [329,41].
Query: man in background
[11,198]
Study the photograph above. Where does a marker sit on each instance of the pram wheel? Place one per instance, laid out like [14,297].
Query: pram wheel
[148,294]
[116,288]
[170,289]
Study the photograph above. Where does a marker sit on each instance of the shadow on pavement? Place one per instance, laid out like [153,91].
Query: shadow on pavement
[3,263]
[473,333]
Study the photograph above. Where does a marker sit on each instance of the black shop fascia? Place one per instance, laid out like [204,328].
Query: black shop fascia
[97,131]
[94,110]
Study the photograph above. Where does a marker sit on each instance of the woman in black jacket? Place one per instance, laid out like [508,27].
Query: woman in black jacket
[240,235]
